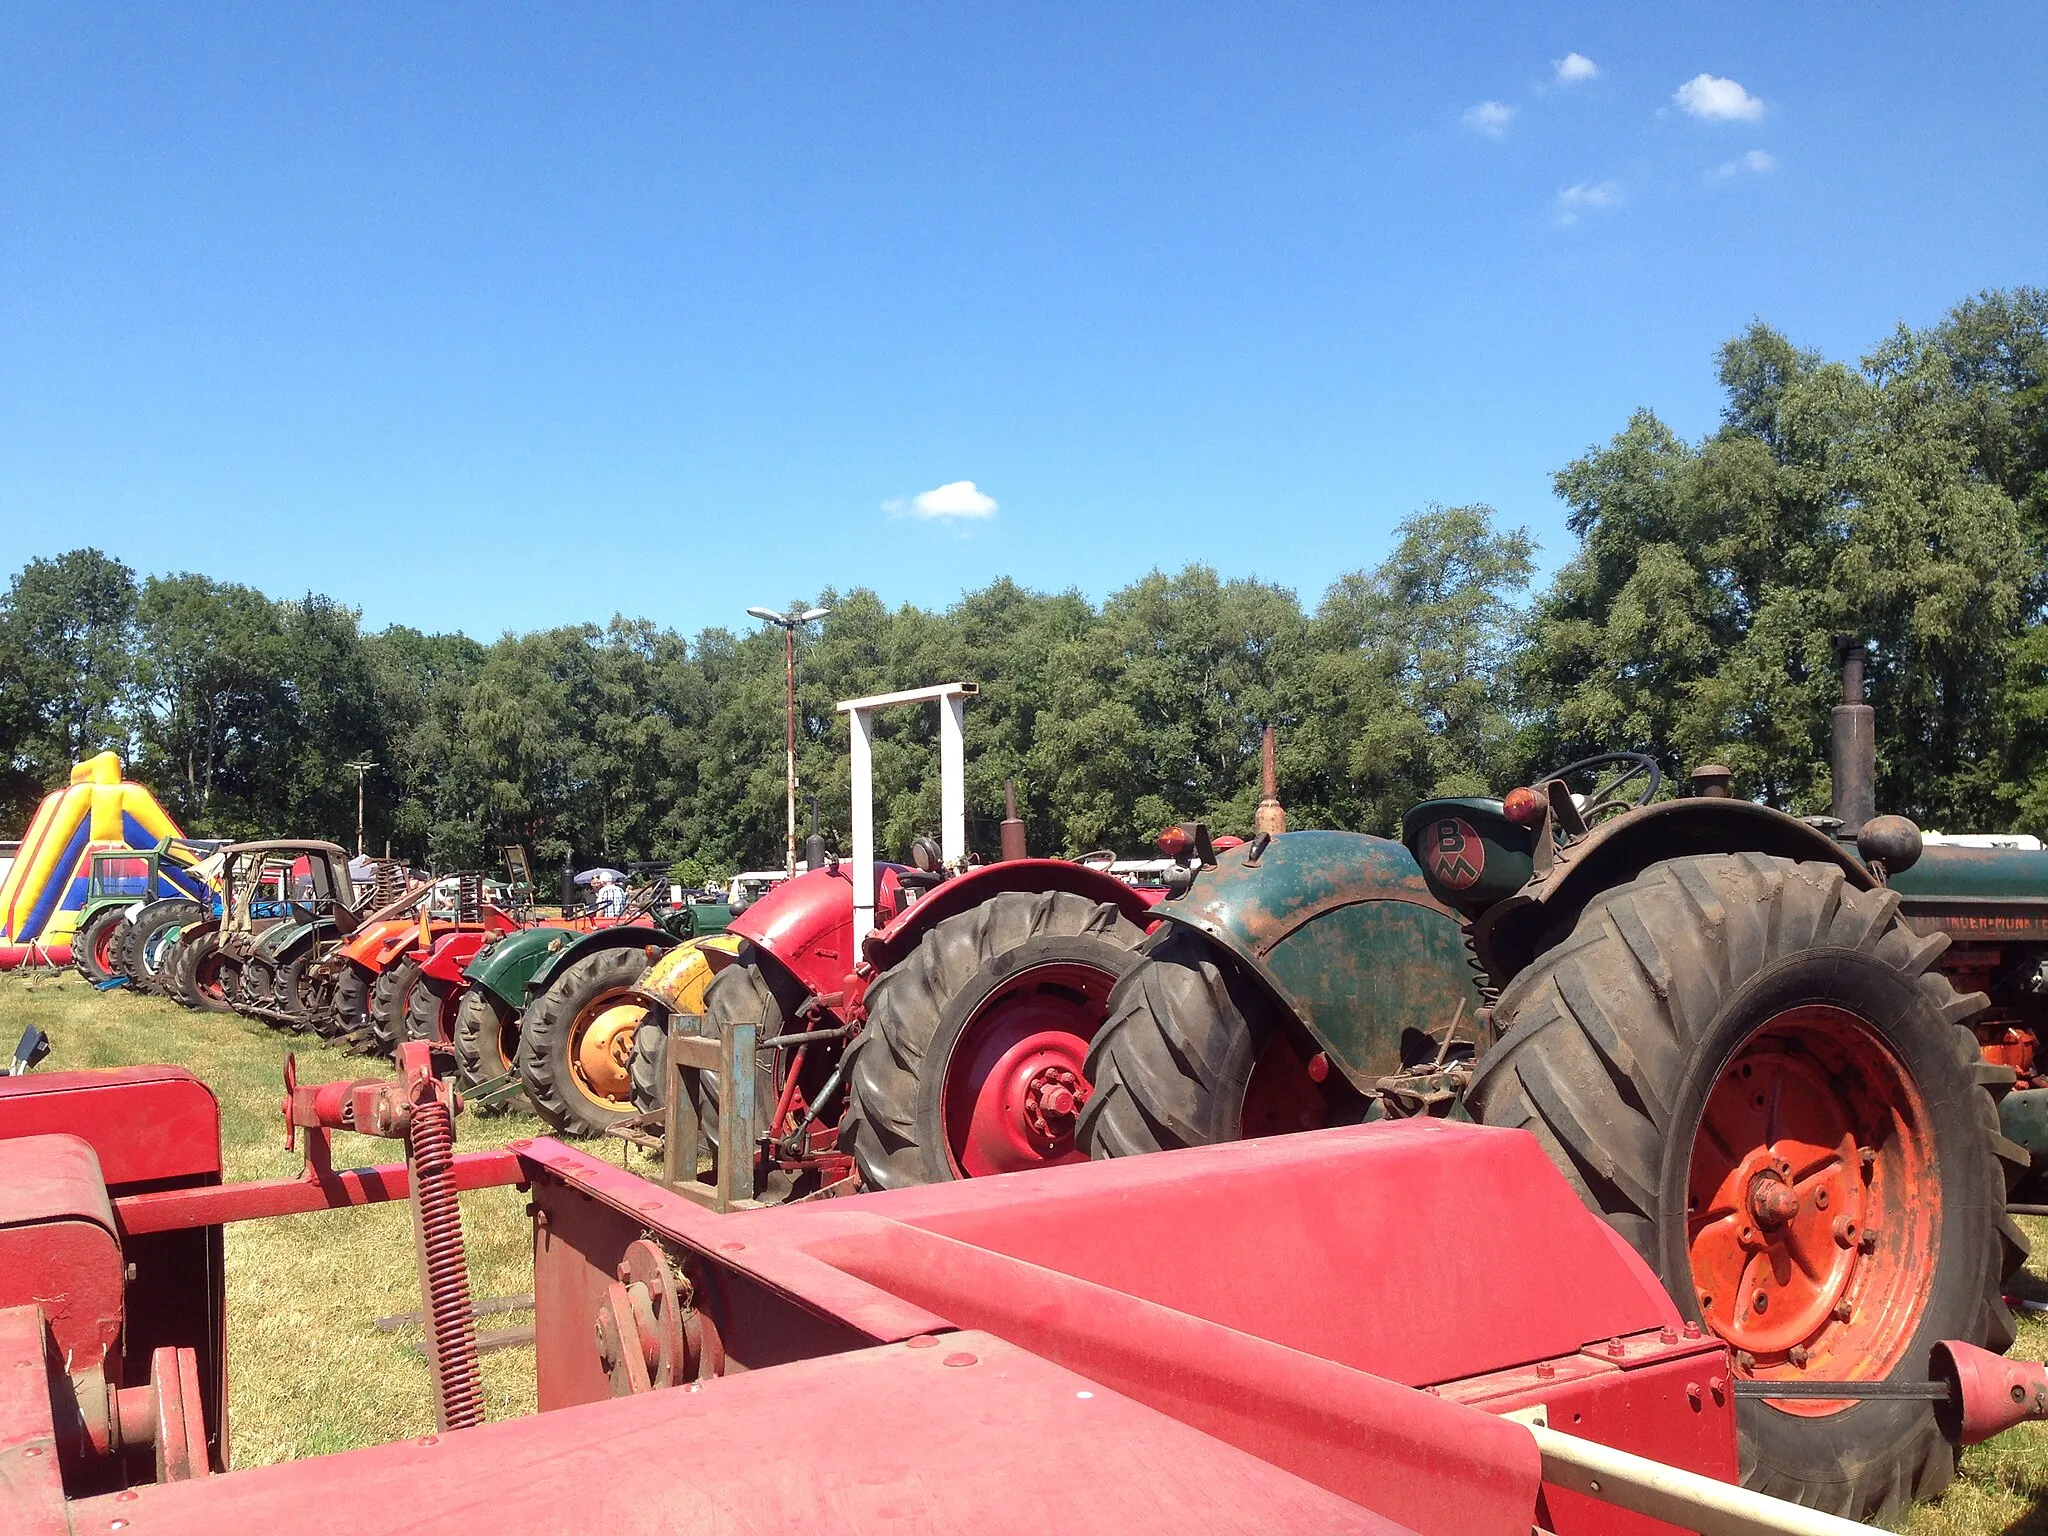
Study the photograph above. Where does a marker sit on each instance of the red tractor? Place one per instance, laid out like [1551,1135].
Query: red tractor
[919,1022]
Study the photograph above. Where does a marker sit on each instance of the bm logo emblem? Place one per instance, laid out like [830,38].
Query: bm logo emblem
[1456,855]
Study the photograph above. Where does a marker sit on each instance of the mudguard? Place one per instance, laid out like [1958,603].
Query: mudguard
[567,948]
[504,967]
[1510,933]
[807,925]
[677,981]
[279,942]
[896,938]
[452,954]
[373,945]
[1342,932]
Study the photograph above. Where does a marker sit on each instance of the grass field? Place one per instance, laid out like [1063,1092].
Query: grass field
[309,1372]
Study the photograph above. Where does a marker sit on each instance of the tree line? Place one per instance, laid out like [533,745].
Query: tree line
[1902,498]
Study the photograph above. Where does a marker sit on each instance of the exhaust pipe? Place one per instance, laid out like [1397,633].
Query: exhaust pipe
[1270,818]
[1855,745]
[1012,828]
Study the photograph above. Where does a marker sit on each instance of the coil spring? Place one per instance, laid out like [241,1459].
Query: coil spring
[444,1271]
[1489,994]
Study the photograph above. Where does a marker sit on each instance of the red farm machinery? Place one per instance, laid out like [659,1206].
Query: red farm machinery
[1239,1336]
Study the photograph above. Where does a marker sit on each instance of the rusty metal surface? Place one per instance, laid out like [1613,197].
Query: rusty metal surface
[1507,935]
[1342,930]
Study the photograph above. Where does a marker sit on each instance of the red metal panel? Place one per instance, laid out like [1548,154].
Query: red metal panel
[145,1123]
[890,943]
[1667,1399]
[31,1484]
[57,1244]
[1420,1250]
[969,1435]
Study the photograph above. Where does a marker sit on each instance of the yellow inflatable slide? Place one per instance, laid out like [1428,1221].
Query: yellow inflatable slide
[44,890]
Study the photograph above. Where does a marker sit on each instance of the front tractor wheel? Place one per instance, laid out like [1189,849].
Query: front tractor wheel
[974,1057]
[1746,1067]
[92,950]
[576,1046]
[1194,1054]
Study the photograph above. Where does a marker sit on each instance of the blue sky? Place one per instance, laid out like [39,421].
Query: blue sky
[502,315]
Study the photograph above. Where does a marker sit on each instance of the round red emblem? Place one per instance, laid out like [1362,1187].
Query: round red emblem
[1456,855]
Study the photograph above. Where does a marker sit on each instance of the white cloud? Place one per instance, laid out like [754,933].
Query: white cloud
[1574,67]
[1757,162]
[1718,100]
[956,498]
[1581,196]
[1490,118]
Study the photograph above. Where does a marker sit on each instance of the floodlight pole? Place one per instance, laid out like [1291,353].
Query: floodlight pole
[361,768]
[789,623]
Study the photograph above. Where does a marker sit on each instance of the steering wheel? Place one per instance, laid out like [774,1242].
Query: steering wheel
[1606,798]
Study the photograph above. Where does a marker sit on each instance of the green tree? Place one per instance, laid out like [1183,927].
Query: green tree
[66,669]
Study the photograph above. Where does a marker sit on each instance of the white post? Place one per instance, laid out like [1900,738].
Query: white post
[953,778]
[863,796]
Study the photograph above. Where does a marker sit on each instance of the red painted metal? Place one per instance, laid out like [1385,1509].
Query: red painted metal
[143,1123]
[893,940]
[1014,1081]
[1814,1203]
[1990,1392]
[807,924]
[58,1247]
[1341,1371]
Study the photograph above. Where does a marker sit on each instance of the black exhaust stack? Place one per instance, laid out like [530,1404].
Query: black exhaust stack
[1855,746]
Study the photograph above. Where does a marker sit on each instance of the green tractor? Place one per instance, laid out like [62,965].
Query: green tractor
[1741,1035]
[120,882]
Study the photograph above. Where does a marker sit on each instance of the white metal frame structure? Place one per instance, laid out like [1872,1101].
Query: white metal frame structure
[952,701]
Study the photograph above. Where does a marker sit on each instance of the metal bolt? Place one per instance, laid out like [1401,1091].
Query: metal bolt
[1866,1155]
[1744,1360]
[1692,1330]
[1667,1335]
[1545,1370]
[1869,1243]
[1843,1312]
[1799,1356]
[1614,1348]
[1717,1385]
[1692,1393]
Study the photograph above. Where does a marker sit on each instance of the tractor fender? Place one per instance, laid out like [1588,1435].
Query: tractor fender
[503,968]
[283,940]
[1511,933]
[1342,934]
[806,924]
[372,945]
[566,948]
[452,953]
[676,982]
[891,942]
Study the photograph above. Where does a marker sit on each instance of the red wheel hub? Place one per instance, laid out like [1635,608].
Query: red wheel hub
[1014,1085]
[103,948]
[1812,1204]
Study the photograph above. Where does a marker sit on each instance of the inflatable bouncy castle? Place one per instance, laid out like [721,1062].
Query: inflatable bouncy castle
[44,889]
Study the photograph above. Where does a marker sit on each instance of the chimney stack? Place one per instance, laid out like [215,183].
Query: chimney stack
[1855,744]
[1271,819]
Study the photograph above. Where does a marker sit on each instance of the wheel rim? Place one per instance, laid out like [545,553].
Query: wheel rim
[154,948]
[1813,1208]
[1280,1097]
[601,1048]
[103,948]
[1014,1085]
[209,976]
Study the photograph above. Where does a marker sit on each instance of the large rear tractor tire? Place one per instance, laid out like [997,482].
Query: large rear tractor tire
[259,990]
[428,1010]
[388,999]
[150,938]
[1748,1069]
[576,1042]
[348,1015]
[486,1041]
[1192,1054]
[92,947]
[973,1059]
[211,979]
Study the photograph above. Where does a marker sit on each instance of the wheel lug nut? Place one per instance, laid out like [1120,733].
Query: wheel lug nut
[1866,1155]
[1842,1312]
[1799,1356]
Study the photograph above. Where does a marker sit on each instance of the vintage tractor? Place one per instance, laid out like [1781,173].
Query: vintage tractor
[119,883]
[1103,1327]
[569,1044]
[1726,1027]
[292,888]
[921,1022]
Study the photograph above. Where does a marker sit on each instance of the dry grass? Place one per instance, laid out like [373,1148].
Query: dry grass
[309,1372]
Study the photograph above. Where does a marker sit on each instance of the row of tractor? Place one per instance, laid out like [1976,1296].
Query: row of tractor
[1788,1061]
